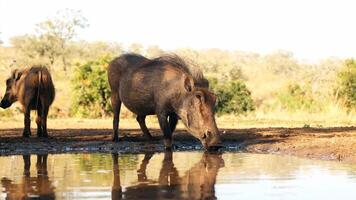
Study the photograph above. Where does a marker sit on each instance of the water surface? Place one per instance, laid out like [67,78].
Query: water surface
[177,175]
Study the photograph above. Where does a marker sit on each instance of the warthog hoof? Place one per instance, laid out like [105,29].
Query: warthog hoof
[39,133]
[214,148]
[171,148]
[26,134]
[115,139]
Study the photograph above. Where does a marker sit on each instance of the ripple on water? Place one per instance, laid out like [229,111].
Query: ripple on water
[180,175]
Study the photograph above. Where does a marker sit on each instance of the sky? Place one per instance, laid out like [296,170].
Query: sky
[310,29]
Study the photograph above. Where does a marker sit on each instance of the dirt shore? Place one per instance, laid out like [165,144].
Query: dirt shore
[317,143]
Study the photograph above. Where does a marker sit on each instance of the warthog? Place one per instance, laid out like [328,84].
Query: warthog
[33,88]
[165,87]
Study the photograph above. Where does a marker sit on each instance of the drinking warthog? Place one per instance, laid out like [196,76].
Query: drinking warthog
[164,87]
[33,88]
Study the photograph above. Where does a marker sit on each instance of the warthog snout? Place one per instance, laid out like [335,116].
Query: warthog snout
[5,102]
[211,141]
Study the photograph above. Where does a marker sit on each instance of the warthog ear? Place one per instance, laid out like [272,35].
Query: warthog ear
[188,83]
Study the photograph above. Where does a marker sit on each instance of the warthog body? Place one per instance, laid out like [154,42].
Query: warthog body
[34,89]
[164,87]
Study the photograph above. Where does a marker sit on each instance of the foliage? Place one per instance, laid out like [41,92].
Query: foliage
[136,48]
[232,97]
[281,63]
[154,51]
[91,91]
[296,97]
[346,91]
[267,76]
[84,51]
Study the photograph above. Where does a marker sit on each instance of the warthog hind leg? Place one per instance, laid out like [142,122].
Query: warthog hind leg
[141,121]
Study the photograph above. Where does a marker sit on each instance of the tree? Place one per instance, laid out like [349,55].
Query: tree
[346,90]
[282,63]
[51,45]
[154,51]
[91,92]
[84,51]
[55,34]
[136,48]
[232,97]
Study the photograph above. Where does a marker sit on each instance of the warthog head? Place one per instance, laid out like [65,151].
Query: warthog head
[197,114]
[11,89]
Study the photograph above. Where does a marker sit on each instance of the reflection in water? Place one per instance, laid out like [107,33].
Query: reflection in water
[30,186]
[177,175]
[141,172]
[197,183]
[116,191]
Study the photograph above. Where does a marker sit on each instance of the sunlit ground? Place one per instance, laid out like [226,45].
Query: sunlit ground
[252,120]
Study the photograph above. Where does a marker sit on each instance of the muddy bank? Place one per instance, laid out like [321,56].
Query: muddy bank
[321,143]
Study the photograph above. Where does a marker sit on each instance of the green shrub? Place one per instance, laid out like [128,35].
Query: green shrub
[91,92]
[295,97]
[232,97]
[346,91]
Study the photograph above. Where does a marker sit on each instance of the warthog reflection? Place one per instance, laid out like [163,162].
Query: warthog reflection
[197,183]
[38,187]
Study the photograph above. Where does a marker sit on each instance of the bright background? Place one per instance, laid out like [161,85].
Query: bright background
[310,29]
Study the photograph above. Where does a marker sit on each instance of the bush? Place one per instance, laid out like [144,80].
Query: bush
[346,91]
[91,92]
[296,97]
[232,97]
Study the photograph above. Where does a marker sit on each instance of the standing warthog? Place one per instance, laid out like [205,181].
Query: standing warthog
[164,87]
[33,88]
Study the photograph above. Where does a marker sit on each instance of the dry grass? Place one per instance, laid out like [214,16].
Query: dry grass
[253,120]
[333,115]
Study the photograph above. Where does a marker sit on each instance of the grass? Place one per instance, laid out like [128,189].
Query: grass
[252,120]
[333,115]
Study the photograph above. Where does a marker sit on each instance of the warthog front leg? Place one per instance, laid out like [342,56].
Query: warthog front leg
[166,129]
[173,120]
